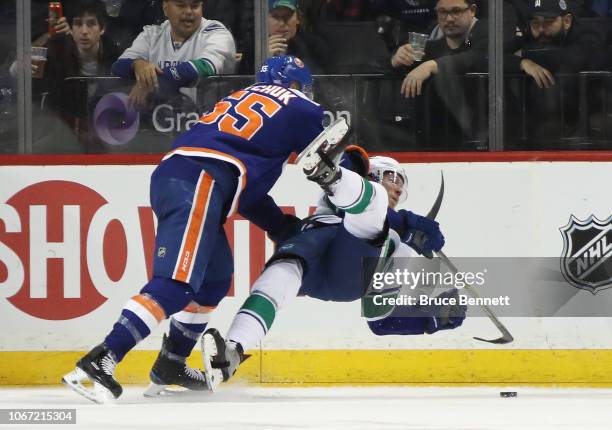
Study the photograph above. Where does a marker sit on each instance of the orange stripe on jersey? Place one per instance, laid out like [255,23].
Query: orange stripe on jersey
[195,225]
[195,308]
[210,153]
[150,305]
[190,151]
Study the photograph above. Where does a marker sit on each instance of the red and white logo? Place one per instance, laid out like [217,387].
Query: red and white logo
[62,250]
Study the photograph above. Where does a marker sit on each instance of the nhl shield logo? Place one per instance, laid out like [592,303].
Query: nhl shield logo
[586,262]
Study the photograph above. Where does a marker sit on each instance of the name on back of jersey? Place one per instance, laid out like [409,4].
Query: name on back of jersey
[283,95]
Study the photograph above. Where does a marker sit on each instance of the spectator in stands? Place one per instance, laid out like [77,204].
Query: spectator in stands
[556,43]
[554,48]
[76,50]
[286,37]
[85,52]
[177,53]
[463,48]
[444,117]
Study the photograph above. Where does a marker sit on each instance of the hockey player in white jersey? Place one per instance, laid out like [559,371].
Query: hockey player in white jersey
[324,261]
[177,53]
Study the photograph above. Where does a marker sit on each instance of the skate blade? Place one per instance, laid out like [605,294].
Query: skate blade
[156,391]
[309,158]
[214,377]
[99,393]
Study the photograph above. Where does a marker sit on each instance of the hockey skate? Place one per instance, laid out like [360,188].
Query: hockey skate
[320,159]
[221,358]
[98,366]
[171,369]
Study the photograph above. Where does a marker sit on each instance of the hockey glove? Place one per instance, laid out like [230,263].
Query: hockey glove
[405,326]
[355,158]
[426,235]
[446,317]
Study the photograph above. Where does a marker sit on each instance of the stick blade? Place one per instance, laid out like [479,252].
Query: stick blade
[500,341]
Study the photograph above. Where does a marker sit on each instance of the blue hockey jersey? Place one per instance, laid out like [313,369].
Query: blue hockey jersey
[255,129]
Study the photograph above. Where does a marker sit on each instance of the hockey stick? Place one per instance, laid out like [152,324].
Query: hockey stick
[506,336]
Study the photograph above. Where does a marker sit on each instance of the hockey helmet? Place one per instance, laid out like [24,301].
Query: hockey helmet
[387,169]
[287,71]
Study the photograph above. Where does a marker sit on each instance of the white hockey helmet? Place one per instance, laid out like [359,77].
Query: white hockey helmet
[389,170]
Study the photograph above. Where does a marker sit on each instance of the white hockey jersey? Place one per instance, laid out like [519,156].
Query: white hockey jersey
[211,42]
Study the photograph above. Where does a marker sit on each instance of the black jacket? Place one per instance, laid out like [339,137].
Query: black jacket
[470,57]
[67,97]
[581,49]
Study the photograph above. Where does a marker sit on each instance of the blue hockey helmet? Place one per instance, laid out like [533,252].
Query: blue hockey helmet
[287,71]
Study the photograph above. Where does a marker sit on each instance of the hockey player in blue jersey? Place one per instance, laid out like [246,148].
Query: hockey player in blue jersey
[324,260]
[226,163]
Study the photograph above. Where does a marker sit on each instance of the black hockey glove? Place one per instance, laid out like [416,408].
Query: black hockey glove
[446,317]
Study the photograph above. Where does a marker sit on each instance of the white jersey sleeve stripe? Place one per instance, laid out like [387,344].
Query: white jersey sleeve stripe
[212,42]
[193,66]
[213,27]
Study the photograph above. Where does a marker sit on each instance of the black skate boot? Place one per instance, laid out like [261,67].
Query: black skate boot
[97,366]
[320,159]
[221,358]
[172,369]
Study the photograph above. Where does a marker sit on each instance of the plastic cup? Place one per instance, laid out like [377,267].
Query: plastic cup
[418,41]
[39,59]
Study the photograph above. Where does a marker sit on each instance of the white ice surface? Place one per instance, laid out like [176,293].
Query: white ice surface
[236,407]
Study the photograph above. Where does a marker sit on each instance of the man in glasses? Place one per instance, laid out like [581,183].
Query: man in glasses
[177,53]
[463,48]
